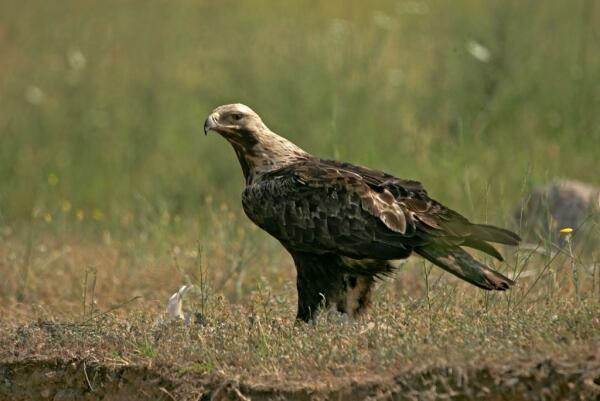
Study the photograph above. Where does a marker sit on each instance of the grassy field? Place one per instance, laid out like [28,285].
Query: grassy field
[111,197]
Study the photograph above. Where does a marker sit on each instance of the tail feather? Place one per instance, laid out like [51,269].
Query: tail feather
[455,260]
[483,246]
[499,235]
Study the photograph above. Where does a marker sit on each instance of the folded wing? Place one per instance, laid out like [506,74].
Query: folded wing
[324,206]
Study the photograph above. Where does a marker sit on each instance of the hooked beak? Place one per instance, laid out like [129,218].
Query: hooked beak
[211,123]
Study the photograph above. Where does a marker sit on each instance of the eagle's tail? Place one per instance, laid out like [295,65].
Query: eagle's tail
[485,232]
[455,260]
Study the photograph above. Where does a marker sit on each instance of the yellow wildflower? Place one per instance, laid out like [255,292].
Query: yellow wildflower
[566,230]
[66,206]
[52,179]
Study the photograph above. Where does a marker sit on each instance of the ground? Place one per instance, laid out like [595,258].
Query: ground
[89,328]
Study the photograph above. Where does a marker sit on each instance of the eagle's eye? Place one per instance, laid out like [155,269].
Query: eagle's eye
[236,116]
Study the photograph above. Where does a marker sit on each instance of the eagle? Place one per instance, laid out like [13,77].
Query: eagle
[343,224]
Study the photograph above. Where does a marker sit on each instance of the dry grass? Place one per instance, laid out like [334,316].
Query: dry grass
[98,299]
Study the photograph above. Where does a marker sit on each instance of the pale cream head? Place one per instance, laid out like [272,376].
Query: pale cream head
[259,150]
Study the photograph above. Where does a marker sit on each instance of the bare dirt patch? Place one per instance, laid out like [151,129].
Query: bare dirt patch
[548,379]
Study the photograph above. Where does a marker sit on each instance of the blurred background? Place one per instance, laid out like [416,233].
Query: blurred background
[102,104]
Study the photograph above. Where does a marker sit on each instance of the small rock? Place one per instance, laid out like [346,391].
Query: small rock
[174,310]
[560,204]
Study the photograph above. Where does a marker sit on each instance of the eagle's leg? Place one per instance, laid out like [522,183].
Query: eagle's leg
[335,283]
[357,294]
[320,282]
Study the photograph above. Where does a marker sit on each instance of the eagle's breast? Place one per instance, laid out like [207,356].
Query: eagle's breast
[297,215]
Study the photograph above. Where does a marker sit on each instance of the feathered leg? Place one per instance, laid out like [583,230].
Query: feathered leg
[357,295]
[319,281]
[333,282]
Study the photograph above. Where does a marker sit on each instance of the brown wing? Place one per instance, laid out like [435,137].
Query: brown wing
[324,206]
[446,226]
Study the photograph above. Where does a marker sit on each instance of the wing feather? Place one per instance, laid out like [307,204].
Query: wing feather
[325,206]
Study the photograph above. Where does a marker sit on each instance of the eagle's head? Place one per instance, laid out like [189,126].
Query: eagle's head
[236,122]
[258,148]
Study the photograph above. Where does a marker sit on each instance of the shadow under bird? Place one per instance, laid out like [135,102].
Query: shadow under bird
[343,223]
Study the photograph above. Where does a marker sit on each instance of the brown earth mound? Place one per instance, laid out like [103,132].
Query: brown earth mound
[62,380]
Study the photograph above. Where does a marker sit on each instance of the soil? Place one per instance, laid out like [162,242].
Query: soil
[65,380]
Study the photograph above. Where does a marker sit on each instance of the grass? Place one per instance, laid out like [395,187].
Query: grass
[83,295]
[107,106]
[110,197]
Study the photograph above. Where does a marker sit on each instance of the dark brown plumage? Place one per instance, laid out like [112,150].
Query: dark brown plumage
[342,223]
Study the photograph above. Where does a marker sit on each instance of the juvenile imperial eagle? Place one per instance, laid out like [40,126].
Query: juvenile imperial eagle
[343,223]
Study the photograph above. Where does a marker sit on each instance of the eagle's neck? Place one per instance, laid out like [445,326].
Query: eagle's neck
[264,151]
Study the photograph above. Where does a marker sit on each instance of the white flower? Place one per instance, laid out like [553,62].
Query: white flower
[76,59]
[34,95]
[478,51]
[382,20]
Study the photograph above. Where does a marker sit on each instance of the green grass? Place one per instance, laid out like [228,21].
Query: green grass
[110,101]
